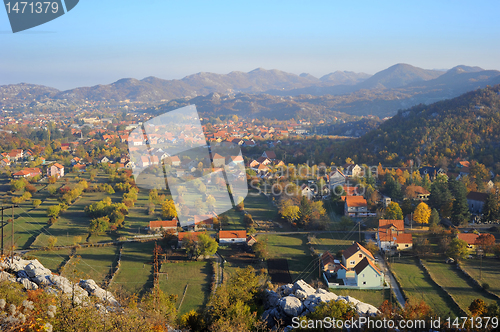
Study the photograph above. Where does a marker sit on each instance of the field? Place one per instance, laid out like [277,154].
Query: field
[198,277]
[490,272]
[293,248]
[51,259]
[333,241]
[136,269]
[453,281]
[278,270]
[419,287]
[94,263]
[373,297]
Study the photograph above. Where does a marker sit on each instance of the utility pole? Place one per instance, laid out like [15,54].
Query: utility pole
[2,209]
[2,230]
[12,252]
[359,231]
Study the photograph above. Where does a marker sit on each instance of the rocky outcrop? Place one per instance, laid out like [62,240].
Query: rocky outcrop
[33,275]
[300,298]
[91,286]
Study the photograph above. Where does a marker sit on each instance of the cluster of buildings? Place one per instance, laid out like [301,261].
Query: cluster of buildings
[355,269]
[231,237]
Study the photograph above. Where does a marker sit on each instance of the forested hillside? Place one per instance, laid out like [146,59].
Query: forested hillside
[467,127]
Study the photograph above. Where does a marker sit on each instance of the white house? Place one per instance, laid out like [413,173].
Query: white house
[230,237]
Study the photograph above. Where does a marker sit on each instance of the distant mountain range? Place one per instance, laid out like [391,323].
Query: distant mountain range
[397,87]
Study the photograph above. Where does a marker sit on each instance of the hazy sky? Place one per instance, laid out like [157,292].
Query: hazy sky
[99,42]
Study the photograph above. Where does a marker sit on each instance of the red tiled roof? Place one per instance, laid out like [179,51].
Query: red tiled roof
[232,234]
[470,238]
[163,223]
[404,238]
[355,201]
[386,223]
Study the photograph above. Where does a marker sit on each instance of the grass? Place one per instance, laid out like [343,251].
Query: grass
[294,249]
[197,275]
[373,297]
[419,287]
[333,242]
[260,207]
[51,259]
[453,281]
[136,268]
[94,262]
[490,272]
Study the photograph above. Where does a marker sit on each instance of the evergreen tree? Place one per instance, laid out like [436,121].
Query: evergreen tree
[460,211]
[491,209]
[440,197]
[434,219]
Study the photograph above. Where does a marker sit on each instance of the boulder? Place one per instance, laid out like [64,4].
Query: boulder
[291,306]
[6,276]
[27,284]
[91,286]
[304,287]
[22,274]
[366,309]
[35,268]
[286,290]
[272,298]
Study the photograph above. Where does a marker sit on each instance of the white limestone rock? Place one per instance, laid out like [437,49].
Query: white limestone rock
[291,306]
[91,286]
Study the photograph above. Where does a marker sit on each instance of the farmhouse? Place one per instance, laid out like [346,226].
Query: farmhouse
[27,173]
[391,235]
[470,238]
[159,225]
[355,206]
[230,237]
[56,170]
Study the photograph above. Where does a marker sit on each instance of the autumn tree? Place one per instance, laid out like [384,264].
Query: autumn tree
[485,242]
[261,249]
[168,209]
[457,249]
[477,307]
[51,242]
[393,211]
[422,213]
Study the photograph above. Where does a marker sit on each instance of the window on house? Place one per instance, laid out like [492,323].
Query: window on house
[406,245]
[360,255]
[363,275]
[352,262]
[364,282]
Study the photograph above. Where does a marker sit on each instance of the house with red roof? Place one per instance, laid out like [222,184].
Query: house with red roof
[355,206]
[391,235]
[232,237]
[470,238]
[56,170]
[357,269]
[27,173]
[162,225]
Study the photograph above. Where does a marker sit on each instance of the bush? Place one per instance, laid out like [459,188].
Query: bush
[485,285]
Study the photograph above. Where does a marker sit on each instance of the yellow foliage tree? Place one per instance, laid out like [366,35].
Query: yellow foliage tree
[422,213]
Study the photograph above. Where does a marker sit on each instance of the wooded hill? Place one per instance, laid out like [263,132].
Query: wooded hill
[467,127]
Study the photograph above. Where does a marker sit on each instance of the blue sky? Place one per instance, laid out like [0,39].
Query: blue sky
[99,42]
